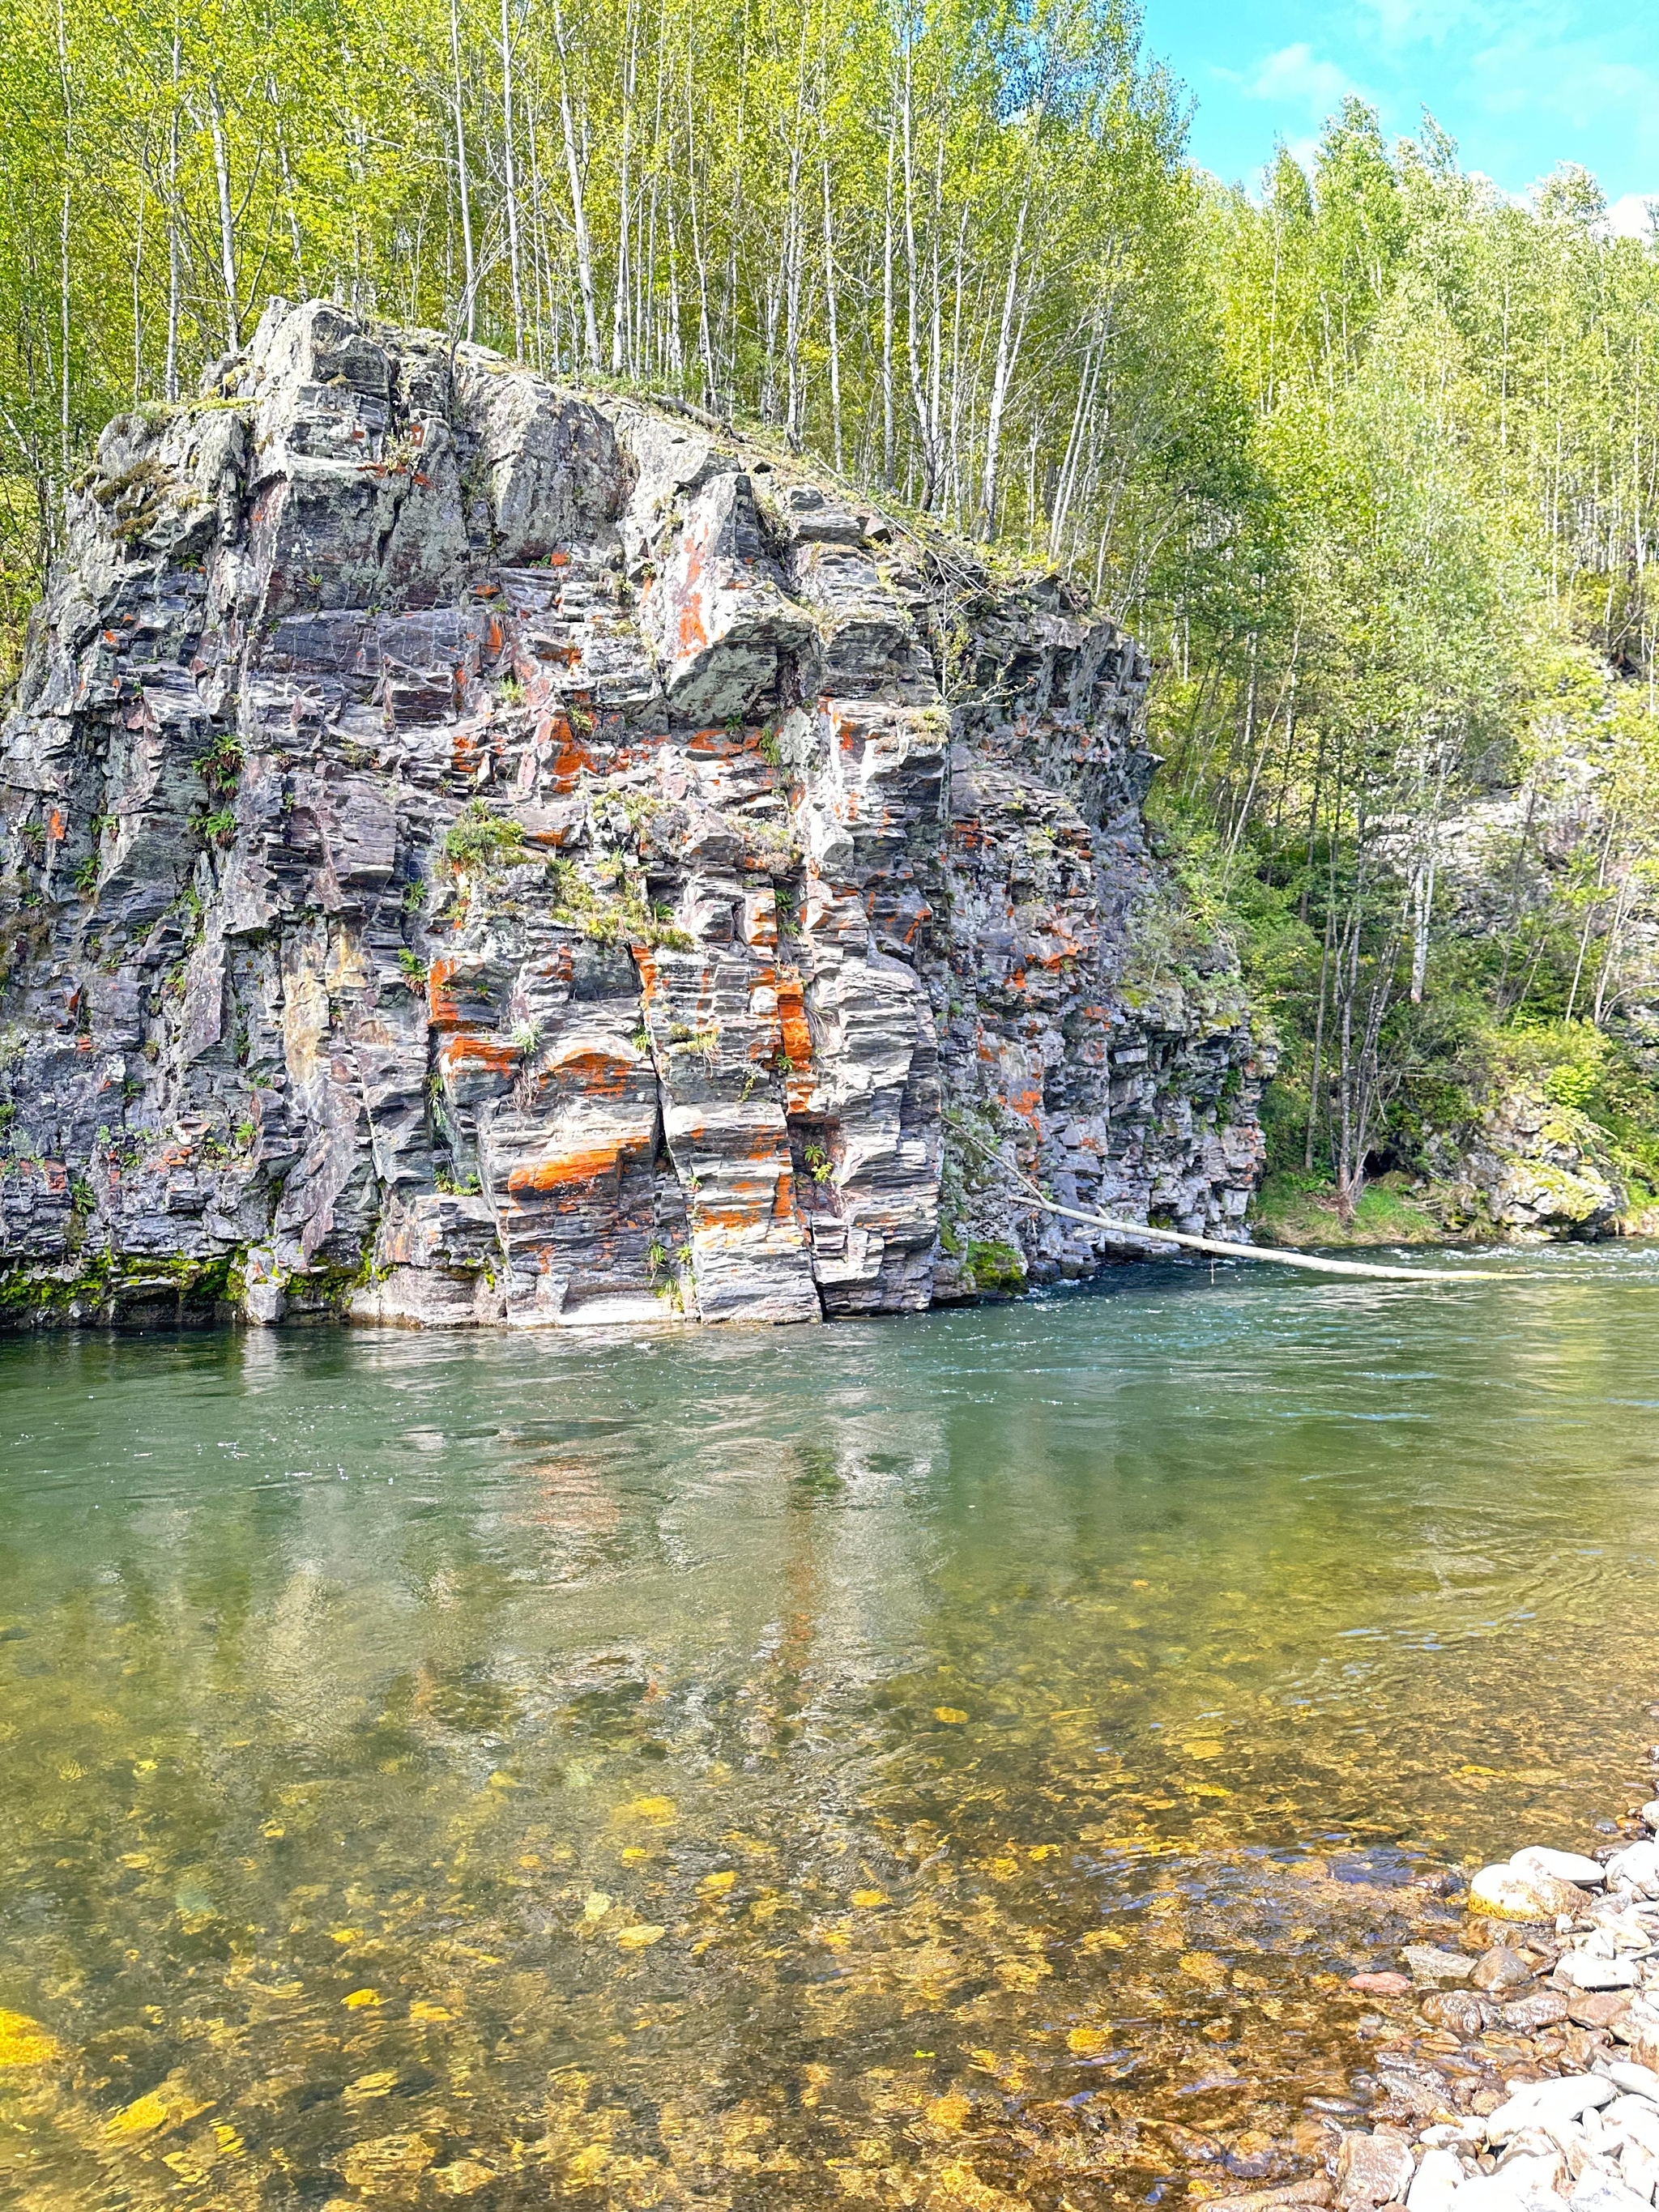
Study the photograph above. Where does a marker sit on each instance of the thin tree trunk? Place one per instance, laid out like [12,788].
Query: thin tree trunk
[510,180]
[889,426]
[227,222]
[170,376]
[619,350]
[468,265]
[999,382]
[833,321]
[65,208]
[578,210]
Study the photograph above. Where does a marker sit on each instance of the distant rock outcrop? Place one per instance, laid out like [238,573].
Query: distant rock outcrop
[480,854]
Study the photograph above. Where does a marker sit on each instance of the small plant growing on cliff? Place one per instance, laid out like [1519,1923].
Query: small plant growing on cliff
[818,1164]
[450,1185]
[86,874]
[413,967]
[481,839]
[414,897]
[221,766]
[770,751]
[218,827]
[527,1037]
[657,1259]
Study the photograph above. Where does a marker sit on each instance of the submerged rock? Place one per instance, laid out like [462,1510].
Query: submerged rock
[477,853]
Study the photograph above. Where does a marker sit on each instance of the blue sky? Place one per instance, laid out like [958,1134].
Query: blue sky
[1520,84]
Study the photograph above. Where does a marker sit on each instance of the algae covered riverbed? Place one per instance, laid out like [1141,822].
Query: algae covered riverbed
[951,1761]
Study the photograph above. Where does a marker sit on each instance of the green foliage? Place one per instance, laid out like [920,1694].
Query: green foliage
[221,766]
[483,839]
[994,1270]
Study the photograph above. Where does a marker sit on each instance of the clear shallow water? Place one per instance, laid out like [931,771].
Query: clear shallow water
[949,1761]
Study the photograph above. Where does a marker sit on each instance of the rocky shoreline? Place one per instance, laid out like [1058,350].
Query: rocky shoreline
[1515,2067]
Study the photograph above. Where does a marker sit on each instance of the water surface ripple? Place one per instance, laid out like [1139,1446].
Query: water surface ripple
[947,1762]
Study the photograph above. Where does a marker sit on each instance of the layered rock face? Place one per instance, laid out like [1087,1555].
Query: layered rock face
[478,854]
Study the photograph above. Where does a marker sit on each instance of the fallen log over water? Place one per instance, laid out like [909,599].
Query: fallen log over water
[1140,1234]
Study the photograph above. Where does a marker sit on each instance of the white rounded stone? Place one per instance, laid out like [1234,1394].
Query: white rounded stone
[1565,1866]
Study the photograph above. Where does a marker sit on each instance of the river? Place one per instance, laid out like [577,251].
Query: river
[951,1760]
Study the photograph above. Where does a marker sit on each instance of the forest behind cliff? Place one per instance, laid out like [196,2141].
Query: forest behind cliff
[1366,453]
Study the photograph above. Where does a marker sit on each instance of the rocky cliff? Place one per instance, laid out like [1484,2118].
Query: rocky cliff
[477,853]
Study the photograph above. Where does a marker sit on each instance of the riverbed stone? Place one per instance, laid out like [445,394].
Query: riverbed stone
[1460,2011]
[1564,2097]
[1636,1868]
[1439,2176]
[1509,1893]
[1525,2016]
[1588,1970]
[1530,2182]
[1373,2169]
[1632,2080]
[1428,1962]
[1601,2192]
[1564,1866]
[1500,1971]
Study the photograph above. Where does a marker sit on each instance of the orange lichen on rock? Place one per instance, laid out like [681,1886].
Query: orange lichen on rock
[566,1170]
[468,1049]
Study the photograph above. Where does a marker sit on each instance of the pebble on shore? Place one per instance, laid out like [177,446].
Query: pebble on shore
[1520,2074]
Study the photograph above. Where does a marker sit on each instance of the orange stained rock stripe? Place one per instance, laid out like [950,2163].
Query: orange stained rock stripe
[566,1168]
[692,637]
[441,1003]
[482,1051]
[598,1073]
[796,1030]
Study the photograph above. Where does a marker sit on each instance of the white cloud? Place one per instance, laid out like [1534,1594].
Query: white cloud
[1295,74]
[1634,216]
[1403,22]
[1571,79]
